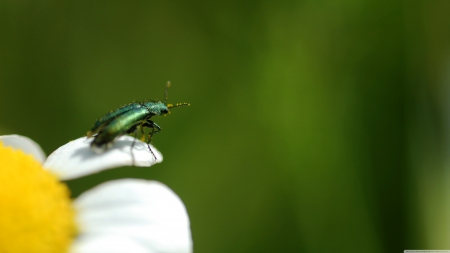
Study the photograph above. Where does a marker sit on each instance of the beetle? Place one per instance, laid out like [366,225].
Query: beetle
[129,119]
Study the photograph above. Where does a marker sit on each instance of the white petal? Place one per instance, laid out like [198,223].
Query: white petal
[25,144]
[76,159]
[106,244]
[147,212]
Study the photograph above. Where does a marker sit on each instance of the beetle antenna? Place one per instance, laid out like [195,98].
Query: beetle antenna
[166,92]
[177,105]
[171,105]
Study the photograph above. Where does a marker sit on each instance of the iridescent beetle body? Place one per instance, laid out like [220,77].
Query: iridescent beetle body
[128,119]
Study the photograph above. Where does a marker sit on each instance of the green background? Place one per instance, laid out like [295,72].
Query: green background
[314,126]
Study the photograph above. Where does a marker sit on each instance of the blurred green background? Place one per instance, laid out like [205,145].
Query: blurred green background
[314,126]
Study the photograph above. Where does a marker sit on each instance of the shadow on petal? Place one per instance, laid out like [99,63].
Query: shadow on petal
[76,159]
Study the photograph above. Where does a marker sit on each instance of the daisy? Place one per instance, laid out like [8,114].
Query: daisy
[127,215]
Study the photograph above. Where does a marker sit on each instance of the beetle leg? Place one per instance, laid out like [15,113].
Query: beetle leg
[153,126]
[143,137]
[147,124]
[155,129]
[134,130]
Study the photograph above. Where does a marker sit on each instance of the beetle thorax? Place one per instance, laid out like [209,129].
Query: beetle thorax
[157,107]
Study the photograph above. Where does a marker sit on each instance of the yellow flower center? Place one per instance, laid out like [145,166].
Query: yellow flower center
[36,213]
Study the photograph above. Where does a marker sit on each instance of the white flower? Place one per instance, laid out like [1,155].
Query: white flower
[127,215]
